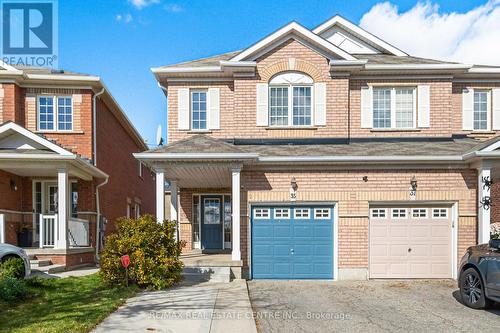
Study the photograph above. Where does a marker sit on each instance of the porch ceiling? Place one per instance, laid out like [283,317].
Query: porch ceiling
[199,175]
[40,168]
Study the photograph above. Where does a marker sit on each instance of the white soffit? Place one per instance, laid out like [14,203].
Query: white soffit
[364,40]
[292,28]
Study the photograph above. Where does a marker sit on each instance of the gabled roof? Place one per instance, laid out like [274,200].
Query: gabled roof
[279,36]
[357,31]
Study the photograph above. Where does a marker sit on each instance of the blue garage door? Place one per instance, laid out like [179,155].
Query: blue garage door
[292,242]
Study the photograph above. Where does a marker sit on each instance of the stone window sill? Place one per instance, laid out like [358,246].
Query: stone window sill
[292,128]
[396,130]
[59,132]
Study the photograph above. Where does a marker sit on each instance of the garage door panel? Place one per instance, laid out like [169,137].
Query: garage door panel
[310,239]
[428,238]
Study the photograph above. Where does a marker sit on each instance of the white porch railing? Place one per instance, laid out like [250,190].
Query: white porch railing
[2,228]
[48,224]
[79,232]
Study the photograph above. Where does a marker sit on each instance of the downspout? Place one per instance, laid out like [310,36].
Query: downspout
[98,216]
[94,159]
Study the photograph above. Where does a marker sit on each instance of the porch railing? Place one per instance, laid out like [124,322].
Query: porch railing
[79,232]
[48,224]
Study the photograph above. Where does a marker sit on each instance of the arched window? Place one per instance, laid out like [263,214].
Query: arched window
[290,100]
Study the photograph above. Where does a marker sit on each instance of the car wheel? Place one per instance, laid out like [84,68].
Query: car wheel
[472,289]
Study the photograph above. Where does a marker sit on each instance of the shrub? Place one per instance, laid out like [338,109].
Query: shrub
[12,289]
[12,267]
[154,253]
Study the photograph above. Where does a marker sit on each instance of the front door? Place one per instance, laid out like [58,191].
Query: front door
[211,222]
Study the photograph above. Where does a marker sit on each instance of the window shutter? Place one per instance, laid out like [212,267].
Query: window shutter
[262,104]
[213,99]
[424,105]
[320,104]
[496,108]
[183,108]
[366,107]
[468,109]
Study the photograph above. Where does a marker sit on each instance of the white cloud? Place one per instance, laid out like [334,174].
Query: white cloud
[173,8]
[470,37]
[125,18]
[140,4]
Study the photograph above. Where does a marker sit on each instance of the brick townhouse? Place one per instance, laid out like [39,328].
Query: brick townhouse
[66,166]
[329,154]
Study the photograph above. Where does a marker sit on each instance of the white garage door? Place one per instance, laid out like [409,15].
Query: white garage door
[411,242]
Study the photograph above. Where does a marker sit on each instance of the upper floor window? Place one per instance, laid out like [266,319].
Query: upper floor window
[55,113]
[290,100]
[481,109]
[394,108]
[198,109]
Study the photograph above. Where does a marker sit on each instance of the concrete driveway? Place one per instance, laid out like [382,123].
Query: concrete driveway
[366,306]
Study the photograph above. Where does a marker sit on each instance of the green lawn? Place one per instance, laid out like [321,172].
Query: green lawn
[74,304]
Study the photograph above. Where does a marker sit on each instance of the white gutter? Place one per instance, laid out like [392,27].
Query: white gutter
[485,70]
[44,157]
[416,66]
[63,77]
[94,124]
[194,156]
[226,63]
[200,69]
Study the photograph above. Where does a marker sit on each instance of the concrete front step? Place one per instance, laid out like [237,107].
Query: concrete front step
[40,263]
[210,274]
[51,269]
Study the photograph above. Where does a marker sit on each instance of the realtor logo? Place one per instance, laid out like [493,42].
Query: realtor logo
[29,32]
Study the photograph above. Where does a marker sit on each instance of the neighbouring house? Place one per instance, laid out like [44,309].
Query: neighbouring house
[66,166]
[330,154]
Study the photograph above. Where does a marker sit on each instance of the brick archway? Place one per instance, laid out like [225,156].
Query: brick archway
[291,64]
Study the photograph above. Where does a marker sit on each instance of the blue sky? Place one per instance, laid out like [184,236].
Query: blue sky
[120,40]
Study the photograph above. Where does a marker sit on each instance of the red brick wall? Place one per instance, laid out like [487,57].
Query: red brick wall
[114,156]
[353,196]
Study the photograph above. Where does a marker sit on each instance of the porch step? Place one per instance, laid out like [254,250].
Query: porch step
[51,269]
[204,274]
[40,263]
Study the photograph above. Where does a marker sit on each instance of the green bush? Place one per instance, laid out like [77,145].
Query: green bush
[12,289]
[12,267]
[154,253]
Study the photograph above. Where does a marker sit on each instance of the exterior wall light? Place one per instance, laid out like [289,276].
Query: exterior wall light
[13,185]
[294,185]
[413,183]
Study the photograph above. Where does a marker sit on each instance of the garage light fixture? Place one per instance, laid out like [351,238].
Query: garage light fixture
[13,185]
[294,185]
[413,183]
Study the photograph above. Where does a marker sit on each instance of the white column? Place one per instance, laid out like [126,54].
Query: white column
[173,205]
[160,195]
[62,210]
[483,215]
[235,204]
[2,228]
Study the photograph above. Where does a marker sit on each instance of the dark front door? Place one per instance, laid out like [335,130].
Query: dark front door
[211,222]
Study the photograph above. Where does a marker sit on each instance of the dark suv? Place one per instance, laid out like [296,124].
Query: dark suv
[479,280]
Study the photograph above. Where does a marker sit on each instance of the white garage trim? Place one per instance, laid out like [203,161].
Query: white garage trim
[452,207]
[333,205]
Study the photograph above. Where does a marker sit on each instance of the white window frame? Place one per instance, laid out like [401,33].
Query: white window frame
[302,215]
[140,171]
[488,109]
[393,107]
[399,210]
[377,215]
[419,209]
[261,215]
[305,82]
[137,210]
[319,213]
[440,211]
[281,215]
[191,119]
[55,105]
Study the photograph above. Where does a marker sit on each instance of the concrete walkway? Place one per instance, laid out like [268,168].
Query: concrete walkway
[83,271]
[205,307]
